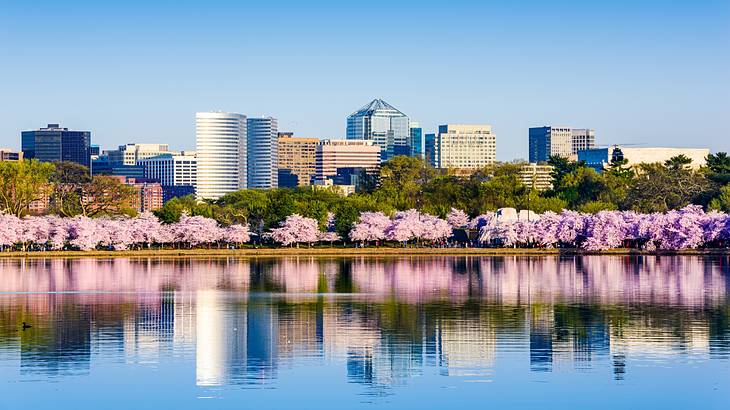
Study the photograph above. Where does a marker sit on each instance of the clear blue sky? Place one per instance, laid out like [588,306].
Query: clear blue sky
[653,72]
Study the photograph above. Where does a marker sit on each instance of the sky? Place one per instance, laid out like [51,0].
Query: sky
[655,73]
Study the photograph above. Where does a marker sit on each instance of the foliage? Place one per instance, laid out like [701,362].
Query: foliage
[22,182]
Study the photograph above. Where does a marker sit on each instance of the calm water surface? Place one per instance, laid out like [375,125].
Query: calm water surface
[443,332]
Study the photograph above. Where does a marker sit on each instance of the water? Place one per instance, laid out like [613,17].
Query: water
[300,332]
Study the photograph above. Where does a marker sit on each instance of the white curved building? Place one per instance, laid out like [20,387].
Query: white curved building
[221,144]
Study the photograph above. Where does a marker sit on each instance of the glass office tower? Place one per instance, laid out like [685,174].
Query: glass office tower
[383,124]
[54,143]
[416,140]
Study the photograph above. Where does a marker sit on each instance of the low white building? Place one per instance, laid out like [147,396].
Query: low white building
[172,170]
[600,158]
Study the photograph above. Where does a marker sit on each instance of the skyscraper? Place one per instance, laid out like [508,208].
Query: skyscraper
[383,124]
[416,140]
[562,141]
[221,145]
[463,146]
[54,143]
[263,153]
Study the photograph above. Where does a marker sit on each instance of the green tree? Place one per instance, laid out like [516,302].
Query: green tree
[719,167]
[22,182]
[722,201]
[659,188]
[678,162]
[401,180]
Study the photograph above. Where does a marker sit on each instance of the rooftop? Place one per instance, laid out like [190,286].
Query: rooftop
[376,105]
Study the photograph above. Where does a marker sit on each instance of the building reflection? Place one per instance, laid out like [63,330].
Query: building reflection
[383,321]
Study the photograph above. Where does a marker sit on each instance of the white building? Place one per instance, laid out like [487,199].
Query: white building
[463,146]
[129,154]
[600,158]
[537,176]
[221,145]
[334,154]
[263,153]
[172,169]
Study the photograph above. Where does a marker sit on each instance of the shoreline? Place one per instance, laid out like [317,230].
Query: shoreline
[347,252]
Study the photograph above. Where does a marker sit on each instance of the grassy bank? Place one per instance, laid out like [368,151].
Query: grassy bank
[335,251]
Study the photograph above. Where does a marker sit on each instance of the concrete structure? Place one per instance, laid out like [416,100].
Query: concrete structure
[383,124]
[600,158]
[334,154]
[6,154]
[537,176]
[562,141]
[298,156]
[130,154]
[416,142]
[171,169]
[263,152]
[465,147]
[54,143]
[221,146]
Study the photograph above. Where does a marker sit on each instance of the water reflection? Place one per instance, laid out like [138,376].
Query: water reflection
[382,322]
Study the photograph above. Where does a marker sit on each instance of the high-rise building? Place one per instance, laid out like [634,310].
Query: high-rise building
[429,149]
[54,143]
[221,146]
[263,153]
[6,154]
[464,146]
[334,154]
[416,144]
[562,141]
[130,154]
[298,156]
[383,124]
[171,170]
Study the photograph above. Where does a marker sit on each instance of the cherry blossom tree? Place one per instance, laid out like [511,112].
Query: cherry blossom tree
[296,229]
[370,227]
[457,218]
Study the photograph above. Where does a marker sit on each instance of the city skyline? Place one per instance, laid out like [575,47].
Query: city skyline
[613,67]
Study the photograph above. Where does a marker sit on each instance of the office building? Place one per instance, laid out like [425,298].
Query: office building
[287,179]
[601,158]
[416,143]
[334,154]
[561,141]
[263,153]
[298,156]
[537,176]
[172,169]
[383,124]
[54,143]
[129,154]
[6,154]
[429,148]
[464,147]
[221,146]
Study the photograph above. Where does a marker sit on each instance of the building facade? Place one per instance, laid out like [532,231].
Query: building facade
[54,143]
[263,152]
[298,156]
[149,195]
[416,143]
[6,154]
[221,146]
[537,176]
[171,169]
[334,154]
[130,154]
[383,124]
[561,141]
[600,158]
[465,147]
